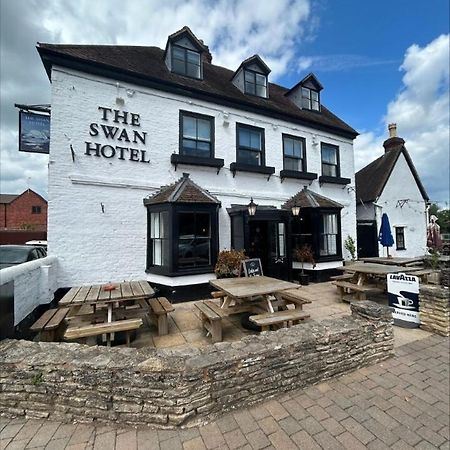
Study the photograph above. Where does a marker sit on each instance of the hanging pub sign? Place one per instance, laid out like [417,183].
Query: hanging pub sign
[34,132]
[403,295]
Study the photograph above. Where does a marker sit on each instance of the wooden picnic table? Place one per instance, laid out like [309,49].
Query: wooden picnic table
[362,281]
[113,295]
[245,289]
[395,261]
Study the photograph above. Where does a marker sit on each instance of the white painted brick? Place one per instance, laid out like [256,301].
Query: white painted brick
[98,247]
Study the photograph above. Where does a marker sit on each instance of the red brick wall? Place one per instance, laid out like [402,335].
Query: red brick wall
[19,212]
[2,215]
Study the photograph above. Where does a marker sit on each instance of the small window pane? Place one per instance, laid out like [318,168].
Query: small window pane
[193,57]
[189,143]
[261,91]
[189,127]
[249,76]
[329,170]
[288,146]
[204,129]
[193,70]
[329,155]
[261,79]
[306,93]
[315,95]
[255,140]
[293,164]
[306,103]
[250,88]
[244,137]
[202,225]
[297,147]
[178,53]
[203,149]
[249,157]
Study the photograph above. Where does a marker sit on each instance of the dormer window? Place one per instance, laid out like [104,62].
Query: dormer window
[255,83]
[310,99]
[185,61]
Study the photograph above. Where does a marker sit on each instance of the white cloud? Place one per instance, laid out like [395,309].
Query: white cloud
[339,62]
[421,111]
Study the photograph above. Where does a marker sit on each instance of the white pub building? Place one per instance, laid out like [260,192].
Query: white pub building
[156,154]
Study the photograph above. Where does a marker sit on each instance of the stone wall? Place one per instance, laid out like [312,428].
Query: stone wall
[434,309]
[169,388]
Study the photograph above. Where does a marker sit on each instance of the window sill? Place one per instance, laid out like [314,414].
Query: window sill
[176,159]
[297,175]
[239,167]
[334,180]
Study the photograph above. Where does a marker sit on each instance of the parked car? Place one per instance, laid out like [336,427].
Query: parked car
[11,255]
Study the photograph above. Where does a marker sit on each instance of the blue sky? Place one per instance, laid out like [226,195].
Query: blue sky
[379,62]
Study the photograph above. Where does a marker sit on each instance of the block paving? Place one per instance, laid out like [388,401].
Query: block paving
[402,403]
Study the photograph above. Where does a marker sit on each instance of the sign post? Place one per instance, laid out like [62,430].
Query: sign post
[403,295]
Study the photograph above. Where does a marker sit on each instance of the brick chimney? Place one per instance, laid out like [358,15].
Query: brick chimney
[393,141]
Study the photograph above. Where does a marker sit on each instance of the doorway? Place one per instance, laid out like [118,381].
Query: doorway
[367,238]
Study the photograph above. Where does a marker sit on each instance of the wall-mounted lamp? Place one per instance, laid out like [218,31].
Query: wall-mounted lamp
[252,207]
[274,127]
[295,209]
[314,140]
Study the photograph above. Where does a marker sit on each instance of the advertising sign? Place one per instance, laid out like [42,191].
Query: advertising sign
[403,295]
[34,132]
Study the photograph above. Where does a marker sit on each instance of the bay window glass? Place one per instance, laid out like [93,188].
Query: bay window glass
[330,160]
[194,239]
[294,153]
[328,234]
[250,145]
[197,135]
[159,240]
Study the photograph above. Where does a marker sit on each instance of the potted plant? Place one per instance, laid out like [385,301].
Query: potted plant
[433,261]
[304,254]
[229,263]
[350,246]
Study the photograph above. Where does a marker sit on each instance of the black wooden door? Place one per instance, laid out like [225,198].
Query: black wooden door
[367,238]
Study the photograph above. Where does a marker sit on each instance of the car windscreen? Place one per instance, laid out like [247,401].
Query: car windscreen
[13,255]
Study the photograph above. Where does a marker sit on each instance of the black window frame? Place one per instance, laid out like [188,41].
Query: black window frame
[36,209]
[185,60]
[211,119]
[240,126]
[400,232]
[309,98]
[303,160]
[322,233]
[254,83]
[338,161]
[174,210]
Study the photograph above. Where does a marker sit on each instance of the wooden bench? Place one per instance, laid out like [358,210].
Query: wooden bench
[283,318]
[50,324]
[345,277]
[84,331]
[211,316]
[355,291]
[160,307]
[294,296]
[422,274]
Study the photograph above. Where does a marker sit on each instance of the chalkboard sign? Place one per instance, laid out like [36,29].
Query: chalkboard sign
[252,267]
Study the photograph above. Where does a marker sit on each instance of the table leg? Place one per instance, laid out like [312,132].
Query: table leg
[109,336]
[269,304]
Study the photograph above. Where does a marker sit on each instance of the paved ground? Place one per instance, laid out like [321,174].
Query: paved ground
[401,403]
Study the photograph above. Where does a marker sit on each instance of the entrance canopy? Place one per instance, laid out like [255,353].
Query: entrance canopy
[309,199]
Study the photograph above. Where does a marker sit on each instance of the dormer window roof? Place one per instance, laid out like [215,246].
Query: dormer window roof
[306,93]
[183,54]
[251,77]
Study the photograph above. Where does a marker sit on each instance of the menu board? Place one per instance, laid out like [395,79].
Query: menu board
[252,267]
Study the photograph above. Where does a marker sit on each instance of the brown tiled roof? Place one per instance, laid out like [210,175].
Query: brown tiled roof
[370,180]
[182,191]
[309,199]
[146,66]
[8,198]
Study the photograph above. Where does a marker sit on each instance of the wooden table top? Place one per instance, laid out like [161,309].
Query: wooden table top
[393,261]
[251,286]
[128,290]
[375,269]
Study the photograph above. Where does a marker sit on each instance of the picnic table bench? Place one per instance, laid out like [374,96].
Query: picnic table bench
[279,318]
[50,325]
[160,307]
[211,316]
[355,291]
[97,329]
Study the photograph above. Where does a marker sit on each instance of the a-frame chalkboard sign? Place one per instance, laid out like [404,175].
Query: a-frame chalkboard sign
[251,268]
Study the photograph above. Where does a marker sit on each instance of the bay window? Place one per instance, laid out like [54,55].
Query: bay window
[329,234]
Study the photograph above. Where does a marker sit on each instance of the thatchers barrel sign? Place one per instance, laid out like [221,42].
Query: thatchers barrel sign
[403,294]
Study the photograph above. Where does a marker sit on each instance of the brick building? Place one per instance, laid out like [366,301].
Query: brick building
[23,211]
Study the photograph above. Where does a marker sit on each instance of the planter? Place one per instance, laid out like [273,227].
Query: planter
[434,277]
[303,279]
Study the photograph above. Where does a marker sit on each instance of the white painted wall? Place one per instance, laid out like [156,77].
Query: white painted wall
[34,283]
[95,246]
[401,185]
